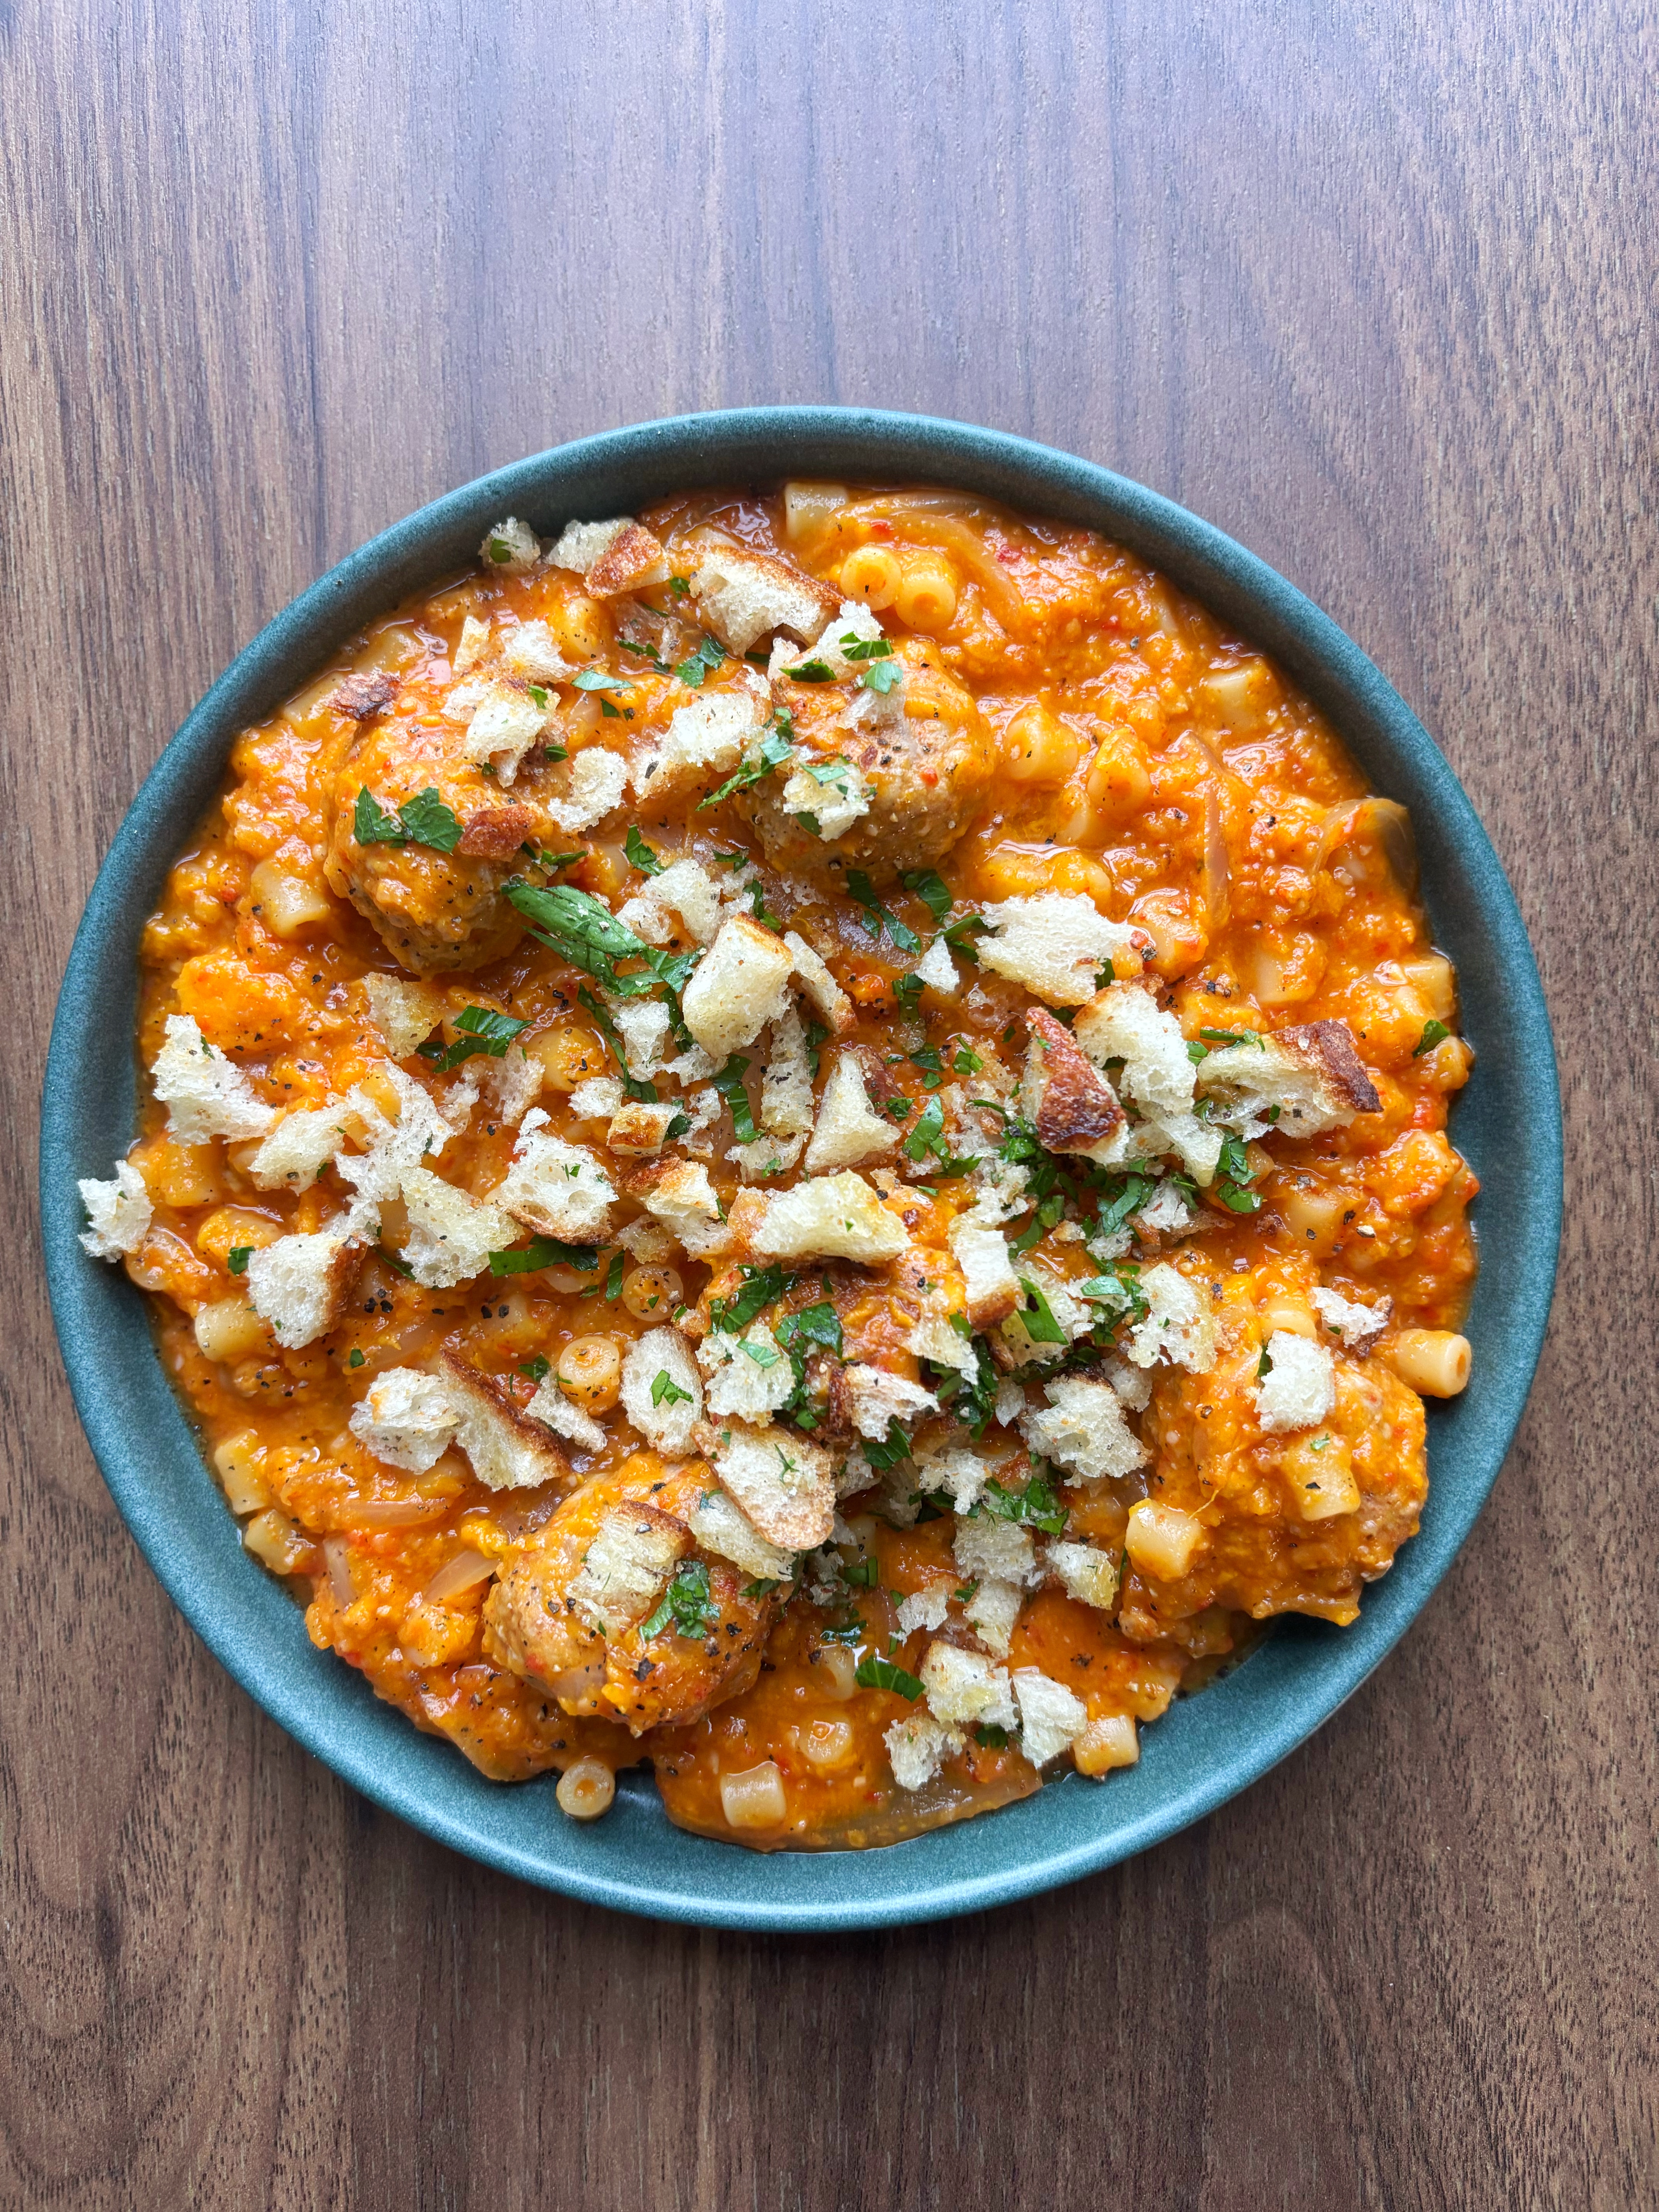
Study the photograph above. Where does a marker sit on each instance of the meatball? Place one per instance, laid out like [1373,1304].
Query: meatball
[568,1613]
[928,763]
[435,910]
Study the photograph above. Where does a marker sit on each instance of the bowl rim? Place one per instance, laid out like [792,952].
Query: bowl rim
[634,1861]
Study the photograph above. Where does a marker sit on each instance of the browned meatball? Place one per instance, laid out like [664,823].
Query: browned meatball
[435,910]
[929,767]
[568,1613]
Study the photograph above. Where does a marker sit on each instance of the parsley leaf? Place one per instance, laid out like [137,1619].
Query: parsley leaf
[929,887]
[775,748]
[545,1252]
[238,1257]
[888,1450]
[1120,1291]
[483,1031]
[729,1083]
[639,854]
[427,821]
[882,679]
[1264,1366]
[1038,1318]
[643,653]
[686,1602]
[700,664]
[354,1357]
[372,825]
[613,1280]
[819,1324]
[762,1354]
[1232,1178]
[536,1369]
[665,1391]
[762,1286]
[1234,1036]
[1434,1033]
[578,926]
[1034,1507]
[811,672]
[595,679]
[878,919]
[874,1674]
[635,1087]
[960,935]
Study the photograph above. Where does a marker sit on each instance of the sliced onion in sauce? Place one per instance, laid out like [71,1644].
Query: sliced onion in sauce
[395,1512]
[463,1572]
[1382,823]
[335,1553]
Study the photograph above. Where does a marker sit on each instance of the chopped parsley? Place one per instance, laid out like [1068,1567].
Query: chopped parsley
[991,1735]
[238,1257]
[876,1674]
[354,1357]
[700,664]
[1233,1178]
[639,854]
[889,1449]
[536,1369]
[686,1602]
[879,920]
[861,1574]
[665,1391]
[775,748]
[1037,1318]
[960,936]
[545,1252]
[613,1279]
[1034,1507]
[763,1355]
[1264,1366]
[729,1083]
[595,679]
[1434,1033]
[422,820]
[762,1287]
[483,1031]
[819,1324]
[638,1089]
[811,672]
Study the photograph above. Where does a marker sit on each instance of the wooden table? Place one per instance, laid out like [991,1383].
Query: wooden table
[1375,295]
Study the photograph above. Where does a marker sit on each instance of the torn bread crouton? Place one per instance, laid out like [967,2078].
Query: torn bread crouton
[300,1285]
[1359,1328]
[992,1612]
[405,1013]
[1086,1572]
[1178,1327]
[1064,1095]
[662,1390]
[642,1024]
[632,562]
[505,724]
[530,652]
[1083,1429]
[848,1129]
[451,1234]
[749,1377]
[818,987]
[1312,1073]
[934,1337]
[766,1156]
[405,1418]
[1125,1022]
[925,1608]
[361,696]
[937,969]
[918,1746]
[965,1690]
[594,783]
[679,1194]
[685,888]
[719,1527]
[1056,943]
[508,1450]
[1168,1213]
[1299,1389]
[879,1399]
[511,1086]
[627,1567]
[472,648]
[511,545]
[554,1411]
[958,1475]
[118,1212]
[705,740]
[743,596]
[579,544]
[557,1188]
[980,1250]
[204,1093]
[1025,1339]
[784,1485]
[1000,1549]
[636,1128]
[599,1099]
[785,1106]
[1051,1716]
[835,1216]
[302,1144]
[832,792]
[739,985]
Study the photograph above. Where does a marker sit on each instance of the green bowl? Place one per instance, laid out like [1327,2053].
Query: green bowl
[1207,1747]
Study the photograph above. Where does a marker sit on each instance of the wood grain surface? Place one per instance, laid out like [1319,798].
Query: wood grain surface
[1373,289]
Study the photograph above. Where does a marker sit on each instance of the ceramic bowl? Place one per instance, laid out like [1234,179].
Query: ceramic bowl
[1207,1747]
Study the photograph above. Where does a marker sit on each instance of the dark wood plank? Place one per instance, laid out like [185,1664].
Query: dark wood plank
[1373,291]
